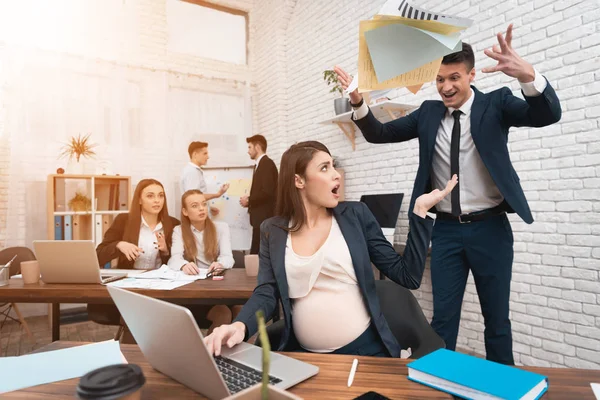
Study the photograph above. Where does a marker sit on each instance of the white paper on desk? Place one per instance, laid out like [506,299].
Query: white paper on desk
[404,8]
[596,390]
[167,273]
[152,284]
[396,49]
[51,366]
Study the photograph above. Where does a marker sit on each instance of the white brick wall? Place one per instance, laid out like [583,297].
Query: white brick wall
[121,44]
[555,301]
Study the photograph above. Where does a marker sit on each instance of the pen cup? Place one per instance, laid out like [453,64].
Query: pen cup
[114,382]
[4,275]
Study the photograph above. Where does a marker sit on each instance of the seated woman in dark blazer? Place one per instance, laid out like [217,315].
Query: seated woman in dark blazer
[315,256]
[140,239]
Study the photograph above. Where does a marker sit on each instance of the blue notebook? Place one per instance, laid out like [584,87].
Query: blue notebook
[475,378]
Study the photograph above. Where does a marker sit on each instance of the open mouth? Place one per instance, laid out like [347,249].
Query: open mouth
[335,190]
[449,96]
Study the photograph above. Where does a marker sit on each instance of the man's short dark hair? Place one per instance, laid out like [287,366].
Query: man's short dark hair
[195,146]
[465,56]
[258,139]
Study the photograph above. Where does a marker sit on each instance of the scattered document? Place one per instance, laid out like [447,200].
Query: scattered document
[404,8]
[164,272]
[419,45]
[114,271]
[596,390]
[367,80]
[51,366]
[151,284]
[403,46]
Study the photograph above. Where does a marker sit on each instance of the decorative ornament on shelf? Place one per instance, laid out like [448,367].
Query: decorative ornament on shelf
[80,202]
[60,171]
[78,147]
[341,104]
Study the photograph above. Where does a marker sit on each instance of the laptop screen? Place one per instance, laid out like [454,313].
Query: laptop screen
[385,207]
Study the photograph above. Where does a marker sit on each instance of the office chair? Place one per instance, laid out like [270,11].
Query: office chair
[23,254]
[403,315]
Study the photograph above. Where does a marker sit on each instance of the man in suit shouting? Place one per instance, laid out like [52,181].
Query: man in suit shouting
[466,133]
[263,192]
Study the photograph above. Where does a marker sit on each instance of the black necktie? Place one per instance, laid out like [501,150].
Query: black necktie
[454,153]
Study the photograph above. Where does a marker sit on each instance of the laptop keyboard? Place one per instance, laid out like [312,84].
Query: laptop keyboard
[239,376]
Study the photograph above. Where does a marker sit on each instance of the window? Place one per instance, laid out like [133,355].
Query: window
[203,29]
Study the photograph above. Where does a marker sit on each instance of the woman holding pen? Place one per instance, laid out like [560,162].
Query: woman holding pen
[201,243]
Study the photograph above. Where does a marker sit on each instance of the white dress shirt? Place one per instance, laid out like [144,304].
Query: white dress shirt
[225,257]
[150,258]
[477,189]
[192,177]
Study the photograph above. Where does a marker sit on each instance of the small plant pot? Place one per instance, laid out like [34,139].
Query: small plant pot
[341,105]
[254,393]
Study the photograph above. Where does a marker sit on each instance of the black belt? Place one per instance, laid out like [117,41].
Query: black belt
[474,216]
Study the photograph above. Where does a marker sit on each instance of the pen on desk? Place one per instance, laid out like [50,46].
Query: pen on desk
[352,372]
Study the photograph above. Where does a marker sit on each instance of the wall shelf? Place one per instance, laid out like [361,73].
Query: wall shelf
[386,110]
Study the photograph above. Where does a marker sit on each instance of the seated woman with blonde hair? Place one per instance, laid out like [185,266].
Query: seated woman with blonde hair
[201,243]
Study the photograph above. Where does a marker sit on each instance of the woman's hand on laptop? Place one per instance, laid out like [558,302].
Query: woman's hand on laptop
[228,335]
[130,250]
[190,269]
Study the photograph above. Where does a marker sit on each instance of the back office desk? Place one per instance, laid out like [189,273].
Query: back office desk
[235,289]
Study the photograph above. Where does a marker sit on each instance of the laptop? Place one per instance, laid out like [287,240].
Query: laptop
[385,208]
[173,344]
[71,261]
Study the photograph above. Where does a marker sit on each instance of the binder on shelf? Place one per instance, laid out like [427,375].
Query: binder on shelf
[98,229]
[68,227]
[58,227]
[475,378]
[106,223]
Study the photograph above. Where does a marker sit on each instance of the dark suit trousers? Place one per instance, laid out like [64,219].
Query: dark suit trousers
[486,249]
[255,246]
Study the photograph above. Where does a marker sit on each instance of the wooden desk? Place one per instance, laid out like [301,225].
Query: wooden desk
[235,289]
[386,376]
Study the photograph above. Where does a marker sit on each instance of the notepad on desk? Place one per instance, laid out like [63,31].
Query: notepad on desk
[475,378]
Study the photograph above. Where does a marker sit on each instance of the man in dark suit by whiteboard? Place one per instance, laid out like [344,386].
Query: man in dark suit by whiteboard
[466,134]
[263,192]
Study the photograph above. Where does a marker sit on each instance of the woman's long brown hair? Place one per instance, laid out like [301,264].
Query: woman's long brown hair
[211,243]
[134,219]
[294,162]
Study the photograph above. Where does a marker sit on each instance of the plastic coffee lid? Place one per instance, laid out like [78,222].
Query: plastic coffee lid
[111,382]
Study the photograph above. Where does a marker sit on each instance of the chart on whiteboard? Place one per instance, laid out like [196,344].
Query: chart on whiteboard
[230,210]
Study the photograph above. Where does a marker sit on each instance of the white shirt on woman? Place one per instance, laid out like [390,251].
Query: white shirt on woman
[225,257]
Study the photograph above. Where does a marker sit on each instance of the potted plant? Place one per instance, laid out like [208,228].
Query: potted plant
[80,202]
[263,391]
[341,104]
[78,147]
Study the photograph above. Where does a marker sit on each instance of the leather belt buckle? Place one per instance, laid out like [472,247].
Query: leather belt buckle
[461,220]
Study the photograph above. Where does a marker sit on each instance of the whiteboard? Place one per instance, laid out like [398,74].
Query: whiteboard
[231,212]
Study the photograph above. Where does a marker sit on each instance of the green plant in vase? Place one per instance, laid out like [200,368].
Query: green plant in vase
[340,105]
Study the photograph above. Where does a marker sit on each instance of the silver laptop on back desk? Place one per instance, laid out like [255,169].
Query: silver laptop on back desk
[70,261]
[172,343]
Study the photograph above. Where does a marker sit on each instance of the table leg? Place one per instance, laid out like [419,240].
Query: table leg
[55,322]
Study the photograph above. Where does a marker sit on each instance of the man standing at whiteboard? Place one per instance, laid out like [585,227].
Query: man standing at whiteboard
[263,192]
[192,176]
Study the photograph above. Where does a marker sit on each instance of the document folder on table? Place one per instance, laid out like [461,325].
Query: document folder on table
[475,378]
